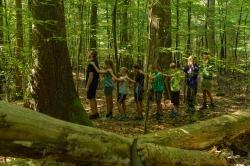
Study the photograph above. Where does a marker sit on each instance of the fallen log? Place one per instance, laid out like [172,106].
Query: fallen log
[204,134]
[29,134]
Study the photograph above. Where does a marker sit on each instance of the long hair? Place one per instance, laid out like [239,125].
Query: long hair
[95,59]
[110,63]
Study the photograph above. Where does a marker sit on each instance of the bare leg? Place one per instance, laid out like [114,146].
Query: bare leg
[159,107]
[109,101]
[210,96]
[93,106]
[124,107]
[120,109]
[139,108]
[204,97]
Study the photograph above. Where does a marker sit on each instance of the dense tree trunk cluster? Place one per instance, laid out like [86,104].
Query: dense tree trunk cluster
[26,133]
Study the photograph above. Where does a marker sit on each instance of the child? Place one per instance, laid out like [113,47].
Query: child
[138,90]
[108,85]
[122,93]
[191,72]
[175,81]
[158,88]
[206,84]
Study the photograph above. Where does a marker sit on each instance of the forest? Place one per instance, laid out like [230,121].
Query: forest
[124,82]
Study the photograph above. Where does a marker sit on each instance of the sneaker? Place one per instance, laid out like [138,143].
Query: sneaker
[122,118]
[160,117]
[173,114]
[94,116]
[109,116]
[204,106]
[138,118]
[212,105]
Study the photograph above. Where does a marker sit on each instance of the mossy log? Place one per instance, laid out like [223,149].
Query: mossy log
[203,134]
[29,134]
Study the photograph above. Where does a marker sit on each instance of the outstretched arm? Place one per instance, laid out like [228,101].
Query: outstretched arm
[112,74]
[97,69]
[130,80]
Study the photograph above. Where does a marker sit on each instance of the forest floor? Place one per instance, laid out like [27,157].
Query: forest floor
[224,105]
[130,127]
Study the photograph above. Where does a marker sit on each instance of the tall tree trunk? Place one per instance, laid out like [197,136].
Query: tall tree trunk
[223,34]
[1,24]
[30,32]
[19,47]
[93,25]
[237,36]
[177,38]
[165,57]
[114,23]
[245,41]
[189,49]
[161,24]
[1,45]
[211,26]
[109,41]
[54,89]
[80,46]
[124,26]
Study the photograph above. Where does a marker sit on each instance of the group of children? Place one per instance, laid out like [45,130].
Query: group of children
[157,81]
[123,81]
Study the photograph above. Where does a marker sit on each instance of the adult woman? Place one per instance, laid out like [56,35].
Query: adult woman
[92,78]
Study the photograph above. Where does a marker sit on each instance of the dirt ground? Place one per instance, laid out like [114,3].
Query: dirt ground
[130,127]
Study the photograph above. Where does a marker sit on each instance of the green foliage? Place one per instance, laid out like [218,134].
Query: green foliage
[77,13]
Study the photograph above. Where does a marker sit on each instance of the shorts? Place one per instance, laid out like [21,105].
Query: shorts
[175,98]
[158,96]
[138,96]
[108,91]
[121,97]
[91,93]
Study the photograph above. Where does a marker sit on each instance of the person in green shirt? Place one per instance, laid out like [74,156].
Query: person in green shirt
[175,81]
[158,88]
[206,83]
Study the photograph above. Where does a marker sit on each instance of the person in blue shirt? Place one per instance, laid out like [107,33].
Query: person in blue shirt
[191,73]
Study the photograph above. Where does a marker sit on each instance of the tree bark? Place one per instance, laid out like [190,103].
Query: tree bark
[189,48]
[211,26]
[114,24]
[19,47]
[161,28]
[93,25]
[204,134]
[124,27]
[1,24]
[1,45]
[26,133]
[237,37]
[54,90]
